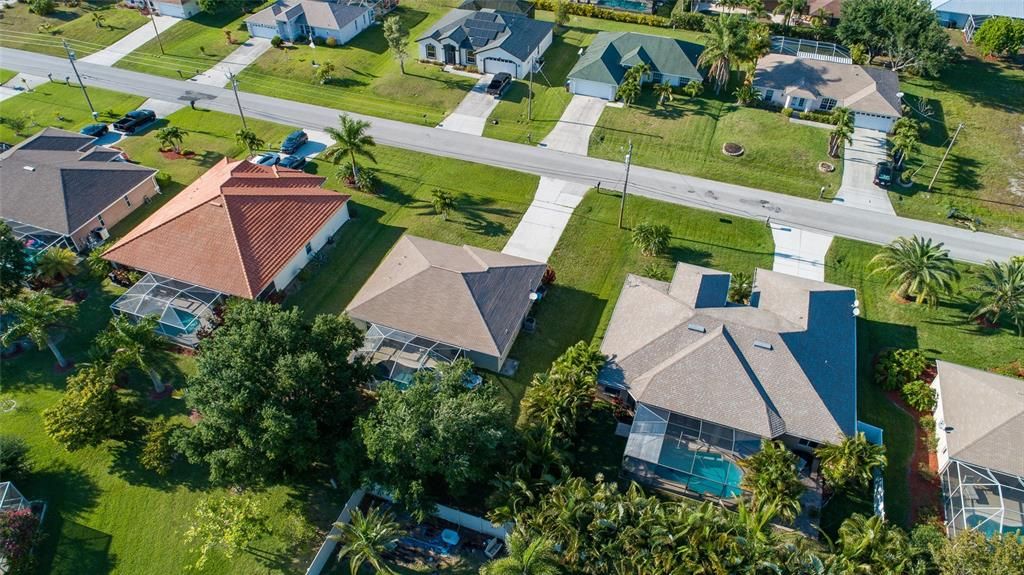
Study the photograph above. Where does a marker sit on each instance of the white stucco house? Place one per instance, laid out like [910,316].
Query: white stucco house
[968,15]
[174,8]
[808,84]
[490,40]
[292,19]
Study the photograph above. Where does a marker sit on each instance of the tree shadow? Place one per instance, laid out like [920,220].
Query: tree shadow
[985,83]
[68,546]
[80,549]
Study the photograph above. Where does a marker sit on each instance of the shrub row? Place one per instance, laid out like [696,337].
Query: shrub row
[592,11]
[823,117]
[898,367]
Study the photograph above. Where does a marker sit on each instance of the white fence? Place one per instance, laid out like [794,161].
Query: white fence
[323,555]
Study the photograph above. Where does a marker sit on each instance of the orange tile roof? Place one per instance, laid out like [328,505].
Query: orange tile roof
[233,229]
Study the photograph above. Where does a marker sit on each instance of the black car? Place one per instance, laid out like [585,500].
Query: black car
[293,162]
[132,121]
[266,159]
[883,174]
[498,84]
[293,142]
[95,130]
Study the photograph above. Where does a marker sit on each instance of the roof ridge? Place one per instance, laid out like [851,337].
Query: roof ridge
[234,240]
[758,385]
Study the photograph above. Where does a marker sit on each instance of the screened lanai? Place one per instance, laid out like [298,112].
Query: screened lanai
[37,240]
[397,355]
[978,498]
[181,308]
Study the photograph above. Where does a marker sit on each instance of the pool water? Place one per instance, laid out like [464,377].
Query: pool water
[630,5]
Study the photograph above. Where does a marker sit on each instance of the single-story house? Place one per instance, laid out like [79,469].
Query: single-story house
[604,64]
[830,9]
[61,189]
[292,19]
[979,419]
[709,380]
[521,7]
[430,301]
[492,41]
[241,229]
[968,15]
[809,84]
[174,8]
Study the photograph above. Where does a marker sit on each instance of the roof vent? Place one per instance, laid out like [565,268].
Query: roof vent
[763,344]
[697,327]
[29,168]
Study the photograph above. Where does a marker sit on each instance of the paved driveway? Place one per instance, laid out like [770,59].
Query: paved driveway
[234,62]
[572,132]
[537,233]
[859,159]
[471,115]
[799,252]
[111,54]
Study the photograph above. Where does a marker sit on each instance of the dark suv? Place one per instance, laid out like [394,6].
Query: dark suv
[132,121]
[293,142]
[883,174]
[498,84]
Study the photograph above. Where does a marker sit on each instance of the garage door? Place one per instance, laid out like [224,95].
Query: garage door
[496,65]
[595,89]
[871,122]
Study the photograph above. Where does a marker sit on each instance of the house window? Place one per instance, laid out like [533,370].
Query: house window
[827,104]
[807,443]
[102,223]
[657,77]
[127,202]
[431,52]
[769,95]
[471,57]
[309,249]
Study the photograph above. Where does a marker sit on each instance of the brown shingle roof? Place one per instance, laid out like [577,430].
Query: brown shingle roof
[233,229]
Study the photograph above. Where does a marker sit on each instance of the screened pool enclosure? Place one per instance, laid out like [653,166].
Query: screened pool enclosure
[181,308]
[397,355]
[37,240]
[978,498]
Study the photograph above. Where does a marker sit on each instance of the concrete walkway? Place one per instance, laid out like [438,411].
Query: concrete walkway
[859,158]
[471,115]
[233,63]
[20,84]
[538,232]
[111,54]
[572,132]
[799,252]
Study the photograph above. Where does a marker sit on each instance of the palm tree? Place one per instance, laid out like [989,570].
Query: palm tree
[851,461]
[171,137]
[724,45]
[770,477]
[870,545]
[55,264]
[1000,290]
[651,239]
[324,72]
[249,140]
[526,556]
[906,133]
[365,539]
[693,88]
[664,92]
[34,316]
[443,202]
[790,8]
[97,19]
[842,133]
[95,263]
[746,93]
[917,268]
[351,140]
[629,90]
[740,288]
[133,344]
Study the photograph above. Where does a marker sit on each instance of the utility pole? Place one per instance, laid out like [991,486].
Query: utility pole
[234,86]
[625,182]
[529,104]
[157,30]
[948,148]
[71,58]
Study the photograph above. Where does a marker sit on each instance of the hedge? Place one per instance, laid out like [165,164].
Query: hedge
[592,11]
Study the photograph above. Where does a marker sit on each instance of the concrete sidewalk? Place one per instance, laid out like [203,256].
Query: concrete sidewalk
[20,84]
[799,252]
[471,115]
[111,54]
[233,63]
[859,158]
[572,132]
[538,232]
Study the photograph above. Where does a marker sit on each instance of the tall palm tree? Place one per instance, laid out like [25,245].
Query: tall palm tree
[350,140]
[1000,290]
[629,90]
[870,545]
[906,133]
[664,92]
[842,132]
[917,268]
[97,19]
[171,137]
[526,556]
[133,344]
[851,461]
[443,202]
[56,263]
[790,8]
[365,539]
[770,476]
[249,140]
[724,46]
[34,316]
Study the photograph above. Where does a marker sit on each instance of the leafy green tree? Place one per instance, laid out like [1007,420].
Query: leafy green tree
[249,140]
[741,288]
[157,447]
[133,344]
[398,40]
[919,395]
[437,436]
[443,202]
[972,553]
[906,32]
[842,132]
[275,392]
[1000,36]
[790,8]
[171,137]
[651,239]
[771,478]
[526,556]
[724,45]
[225,524]
[89,412]
[42,7]
[366,538]
[851,461]
[35,314]
[561,12]
[14,263]
[664,92]
[209,6]
[13,456]
[918,268]
[999,292]
[324,72]
[17,124]
[351,140]
[55,264]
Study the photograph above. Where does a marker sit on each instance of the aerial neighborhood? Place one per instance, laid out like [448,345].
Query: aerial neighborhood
[540,287]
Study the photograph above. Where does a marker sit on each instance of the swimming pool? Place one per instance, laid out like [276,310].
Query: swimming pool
[628,5]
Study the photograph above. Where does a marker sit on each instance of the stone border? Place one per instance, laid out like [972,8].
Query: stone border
[733,154]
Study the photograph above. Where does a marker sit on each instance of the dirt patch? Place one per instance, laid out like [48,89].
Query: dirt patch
[172,155]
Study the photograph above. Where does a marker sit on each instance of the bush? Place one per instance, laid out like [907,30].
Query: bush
[592,11]
[319,41]
[787,112]
[19,532]
[301,39]
[919,395]
[13,455]
[931,440]
[42,7]
[898,367]
[689,20]
[158,450]
[823,117]
[276,41]
[331,42]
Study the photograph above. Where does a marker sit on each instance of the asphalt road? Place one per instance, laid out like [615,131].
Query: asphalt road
[696,192]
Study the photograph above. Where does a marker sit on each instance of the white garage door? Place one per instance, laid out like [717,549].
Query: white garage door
[872,122]
[595,89]
[496,65]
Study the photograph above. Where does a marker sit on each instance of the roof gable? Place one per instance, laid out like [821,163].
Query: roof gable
[866,89]
[612,53]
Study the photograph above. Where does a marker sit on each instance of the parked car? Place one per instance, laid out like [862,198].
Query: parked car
[293,162]
[498,84]
[883,174]
[266,159]
[132,121]
[95,130]
[293,142]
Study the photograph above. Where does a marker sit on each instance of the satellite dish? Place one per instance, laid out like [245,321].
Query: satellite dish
[856,312]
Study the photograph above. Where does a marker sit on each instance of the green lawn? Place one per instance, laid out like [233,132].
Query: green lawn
[491,202]
[23,30]
[984,174]
[368,79]
[190,46]
[62,106]
[6,75]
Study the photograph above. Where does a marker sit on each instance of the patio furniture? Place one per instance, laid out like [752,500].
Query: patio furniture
[450,537]
[493,547]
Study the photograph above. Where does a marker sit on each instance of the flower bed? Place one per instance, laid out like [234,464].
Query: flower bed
[732,149]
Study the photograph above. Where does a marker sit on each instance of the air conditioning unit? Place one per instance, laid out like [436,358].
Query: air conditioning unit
[102,233]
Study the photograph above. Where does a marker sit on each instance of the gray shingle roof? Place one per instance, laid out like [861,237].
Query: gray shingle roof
[612,53]
[460,295]
[514,6]
[986,412]
[786,365]
[867,89]
[315,13]
[59,181]
[488,29]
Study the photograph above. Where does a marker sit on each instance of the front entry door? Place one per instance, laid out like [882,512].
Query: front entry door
[449,54]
